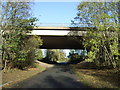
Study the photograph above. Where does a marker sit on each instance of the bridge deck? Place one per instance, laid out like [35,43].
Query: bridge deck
[57,37]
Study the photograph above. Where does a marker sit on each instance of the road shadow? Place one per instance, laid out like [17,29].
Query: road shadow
[63,82]
[59,76]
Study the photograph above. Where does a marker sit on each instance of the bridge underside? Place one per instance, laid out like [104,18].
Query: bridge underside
[61,42]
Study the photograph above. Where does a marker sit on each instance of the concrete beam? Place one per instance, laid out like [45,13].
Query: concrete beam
[56,33]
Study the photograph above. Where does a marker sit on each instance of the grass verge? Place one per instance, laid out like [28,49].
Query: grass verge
[15,75]
[94,78]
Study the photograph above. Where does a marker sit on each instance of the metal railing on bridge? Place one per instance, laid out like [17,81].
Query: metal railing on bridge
[64,25]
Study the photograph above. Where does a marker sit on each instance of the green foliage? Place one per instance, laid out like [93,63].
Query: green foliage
[55,55]
[74,57]
[39,54]
[26,56]
[103,41]
[91,57]
[18,47]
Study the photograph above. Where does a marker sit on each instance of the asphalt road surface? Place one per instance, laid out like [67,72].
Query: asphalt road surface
[54,77]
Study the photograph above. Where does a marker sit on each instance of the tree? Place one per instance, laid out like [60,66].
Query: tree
[51,55]
[76,56]
[17,45]
[39,54]
[61,56]
[55,55]
[1,41]
[103,40]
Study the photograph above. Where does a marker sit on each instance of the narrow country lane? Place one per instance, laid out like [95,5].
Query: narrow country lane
[55,77]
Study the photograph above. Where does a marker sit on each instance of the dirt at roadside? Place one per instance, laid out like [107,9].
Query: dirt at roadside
[102,78]
[16,75]
[44,64]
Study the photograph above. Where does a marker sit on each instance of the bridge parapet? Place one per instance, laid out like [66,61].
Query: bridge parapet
[64,25]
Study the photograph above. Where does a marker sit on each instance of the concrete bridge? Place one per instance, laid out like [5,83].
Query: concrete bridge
[60,37]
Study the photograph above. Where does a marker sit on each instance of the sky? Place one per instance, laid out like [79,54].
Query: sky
[53,13]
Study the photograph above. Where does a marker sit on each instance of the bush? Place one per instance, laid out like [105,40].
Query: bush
[26,56]
[46,60]
[38,54]
[74,58]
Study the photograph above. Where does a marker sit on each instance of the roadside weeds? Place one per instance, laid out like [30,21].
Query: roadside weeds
[94,78]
